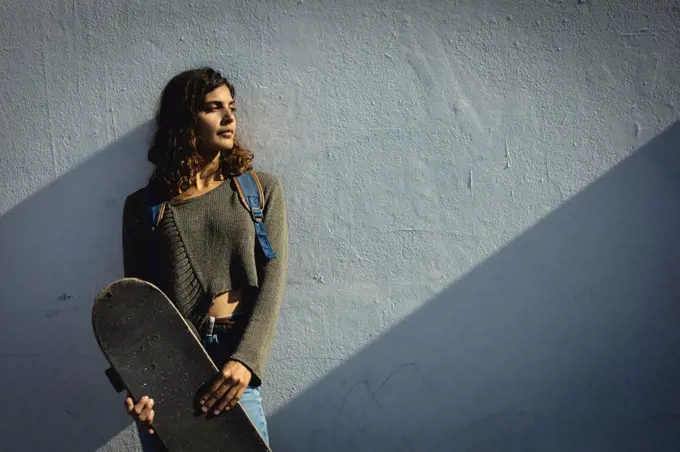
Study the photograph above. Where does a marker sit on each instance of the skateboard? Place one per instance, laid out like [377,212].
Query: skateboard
[154,352]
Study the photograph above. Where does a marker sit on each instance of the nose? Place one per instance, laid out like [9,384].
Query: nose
[228,118]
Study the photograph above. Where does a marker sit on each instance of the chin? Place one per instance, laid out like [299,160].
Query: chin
[226,147]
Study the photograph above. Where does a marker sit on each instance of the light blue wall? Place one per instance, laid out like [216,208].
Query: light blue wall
[483,203]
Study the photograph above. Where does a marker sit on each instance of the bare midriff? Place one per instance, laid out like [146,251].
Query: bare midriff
[228,303]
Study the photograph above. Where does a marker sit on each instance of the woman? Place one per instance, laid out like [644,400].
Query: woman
[208,260]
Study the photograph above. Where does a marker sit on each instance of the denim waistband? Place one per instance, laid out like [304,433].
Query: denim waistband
[212,325]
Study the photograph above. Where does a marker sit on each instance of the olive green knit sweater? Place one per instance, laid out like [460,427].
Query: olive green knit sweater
[207,246]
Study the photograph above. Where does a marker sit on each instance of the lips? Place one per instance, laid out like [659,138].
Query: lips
[226,133]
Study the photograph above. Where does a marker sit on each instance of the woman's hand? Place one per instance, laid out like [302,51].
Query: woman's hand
[227,389]
[142,411]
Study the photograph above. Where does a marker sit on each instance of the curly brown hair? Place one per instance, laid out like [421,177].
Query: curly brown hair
[174,147]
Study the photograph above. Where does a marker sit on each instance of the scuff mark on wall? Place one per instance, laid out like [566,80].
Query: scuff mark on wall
[374,394]
[632,34]
[440,77]
[507,154]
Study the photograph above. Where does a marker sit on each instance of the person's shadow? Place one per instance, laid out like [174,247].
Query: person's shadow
[58,248]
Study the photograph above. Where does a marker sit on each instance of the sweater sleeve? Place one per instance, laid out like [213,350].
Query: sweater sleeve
[254,348]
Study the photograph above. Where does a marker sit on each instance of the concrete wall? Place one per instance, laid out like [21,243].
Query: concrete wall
[483,201]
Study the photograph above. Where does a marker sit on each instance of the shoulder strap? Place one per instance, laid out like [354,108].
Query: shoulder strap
[251,195]
[154,210]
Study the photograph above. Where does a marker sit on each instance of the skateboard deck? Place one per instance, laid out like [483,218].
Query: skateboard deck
[155,353]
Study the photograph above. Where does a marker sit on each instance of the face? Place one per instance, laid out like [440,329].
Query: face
[216,122]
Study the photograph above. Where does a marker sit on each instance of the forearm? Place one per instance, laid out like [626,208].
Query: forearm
[255,345]
[254,348]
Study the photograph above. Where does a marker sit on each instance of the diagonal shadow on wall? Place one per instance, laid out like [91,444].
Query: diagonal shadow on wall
[58,248]
[566,339]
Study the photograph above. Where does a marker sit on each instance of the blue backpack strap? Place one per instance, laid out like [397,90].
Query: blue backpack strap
[252,198]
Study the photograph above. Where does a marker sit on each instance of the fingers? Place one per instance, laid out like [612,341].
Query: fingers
[140,405]
[147,414]
[220,379]
[208,398]
[142,410]
[227,388]
[129,404]
[217,390]
[216,395]
[227,399]
[149,420]
[224,378]
[231,398]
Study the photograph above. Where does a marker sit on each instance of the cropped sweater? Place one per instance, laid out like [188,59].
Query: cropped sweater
[207,245]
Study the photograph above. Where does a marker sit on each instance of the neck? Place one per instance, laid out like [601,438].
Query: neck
[209,173]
